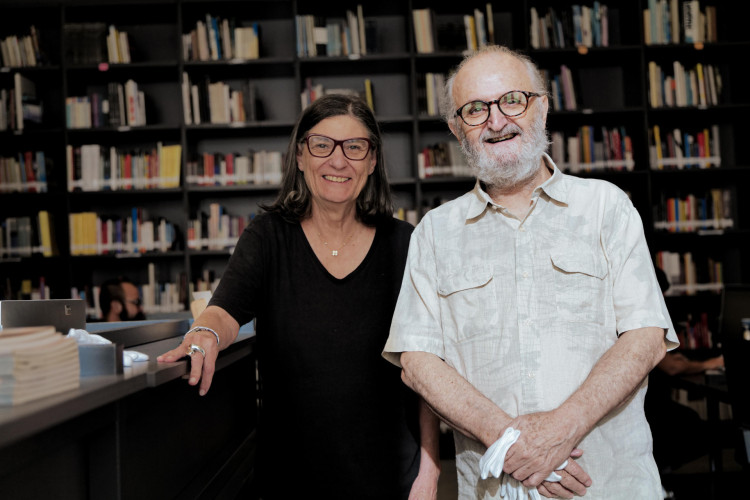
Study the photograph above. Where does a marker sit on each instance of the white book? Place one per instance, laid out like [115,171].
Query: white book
[479,24]
[354,32]
[195,98]
[124,48]
[202,35]
[691,20]
[534,28]
[25,90]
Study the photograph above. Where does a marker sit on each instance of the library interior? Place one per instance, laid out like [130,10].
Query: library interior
[139,138]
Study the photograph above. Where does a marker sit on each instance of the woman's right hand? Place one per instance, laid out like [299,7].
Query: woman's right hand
[203,350]
[203,346]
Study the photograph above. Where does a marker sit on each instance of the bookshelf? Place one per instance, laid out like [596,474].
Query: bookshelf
[606,91]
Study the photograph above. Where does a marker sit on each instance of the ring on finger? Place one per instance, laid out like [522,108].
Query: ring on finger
[196,348]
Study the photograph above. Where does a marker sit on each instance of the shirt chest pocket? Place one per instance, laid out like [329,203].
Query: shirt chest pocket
[580,284]
[468,302]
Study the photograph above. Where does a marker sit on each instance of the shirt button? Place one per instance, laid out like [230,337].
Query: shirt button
[528,322]
[525,274]
[531,374]
[522,229]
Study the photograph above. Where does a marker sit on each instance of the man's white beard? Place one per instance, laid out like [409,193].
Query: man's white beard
[504,169]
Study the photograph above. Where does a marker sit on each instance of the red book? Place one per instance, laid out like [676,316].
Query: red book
[128,171]
[29,164]
[230,169]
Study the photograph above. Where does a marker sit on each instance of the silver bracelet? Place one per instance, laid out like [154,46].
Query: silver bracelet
[205,329]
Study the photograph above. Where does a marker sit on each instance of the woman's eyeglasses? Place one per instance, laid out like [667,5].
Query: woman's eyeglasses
[322,146]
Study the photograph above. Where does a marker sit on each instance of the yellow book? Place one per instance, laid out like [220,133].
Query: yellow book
[369,95]
[657,144]
[170,165]
[45,233]
[701,84]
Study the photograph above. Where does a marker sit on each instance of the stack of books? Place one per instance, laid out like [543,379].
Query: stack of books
[36,362]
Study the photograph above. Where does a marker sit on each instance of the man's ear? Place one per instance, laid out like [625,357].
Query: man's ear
[115,306]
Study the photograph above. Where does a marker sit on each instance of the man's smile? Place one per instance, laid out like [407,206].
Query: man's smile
[502,138]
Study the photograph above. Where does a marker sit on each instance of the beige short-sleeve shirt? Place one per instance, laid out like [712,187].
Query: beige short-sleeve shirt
[523,309]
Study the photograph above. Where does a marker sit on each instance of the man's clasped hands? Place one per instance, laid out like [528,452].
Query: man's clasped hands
[528,459]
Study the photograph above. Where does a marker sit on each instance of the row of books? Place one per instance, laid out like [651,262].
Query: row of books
[677,150]
[217,39]
[27,235]
[227,169]
[26,172]
[21,51]
[19,105]
[313,91]
[94,167]
[686,277]
[592,148]
[576,26]
[675,21]
[95,234]
[219,102]
[562,89]
[477,30]
[430,86]
[709,212]
[700,86]
[116,106]
[215,230]
[118,47]
[349,35]
[442,159]
[36,362]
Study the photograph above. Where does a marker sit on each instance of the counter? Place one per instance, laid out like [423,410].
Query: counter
[142,434]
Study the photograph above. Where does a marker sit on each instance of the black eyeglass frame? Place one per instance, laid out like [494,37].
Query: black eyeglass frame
[489,104]
[136,302]
[340,143]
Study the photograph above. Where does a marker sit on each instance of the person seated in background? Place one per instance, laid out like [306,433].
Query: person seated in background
[120,300]
[679,433]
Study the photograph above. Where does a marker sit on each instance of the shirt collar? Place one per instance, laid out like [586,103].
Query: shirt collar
[555,187]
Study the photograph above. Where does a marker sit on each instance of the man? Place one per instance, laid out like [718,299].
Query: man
[120,300]
[531,303]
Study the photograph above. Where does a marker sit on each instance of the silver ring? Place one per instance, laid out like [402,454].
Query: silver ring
[196,348]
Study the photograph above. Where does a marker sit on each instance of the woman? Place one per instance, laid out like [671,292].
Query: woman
[320,271]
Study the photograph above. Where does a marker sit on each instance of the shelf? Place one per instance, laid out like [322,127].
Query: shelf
[612,85]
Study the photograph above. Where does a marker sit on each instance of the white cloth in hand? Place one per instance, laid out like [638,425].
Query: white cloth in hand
[491,464]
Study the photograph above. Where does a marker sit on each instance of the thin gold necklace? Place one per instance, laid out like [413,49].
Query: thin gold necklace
[334,252]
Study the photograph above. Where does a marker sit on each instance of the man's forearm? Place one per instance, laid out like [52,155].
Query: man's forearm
[453,398]
[614,378]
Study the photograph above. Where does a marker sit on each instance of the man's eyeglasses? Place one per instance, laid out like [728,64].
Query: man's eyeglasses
[321,146]
[510,104]
[136,302]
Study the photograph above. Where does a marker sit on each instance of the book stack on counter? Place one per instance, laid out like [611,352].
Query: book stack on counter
[36,362]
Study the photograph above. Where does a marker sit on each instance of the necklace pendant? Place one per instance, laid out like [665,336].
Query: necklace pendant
[334,252]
